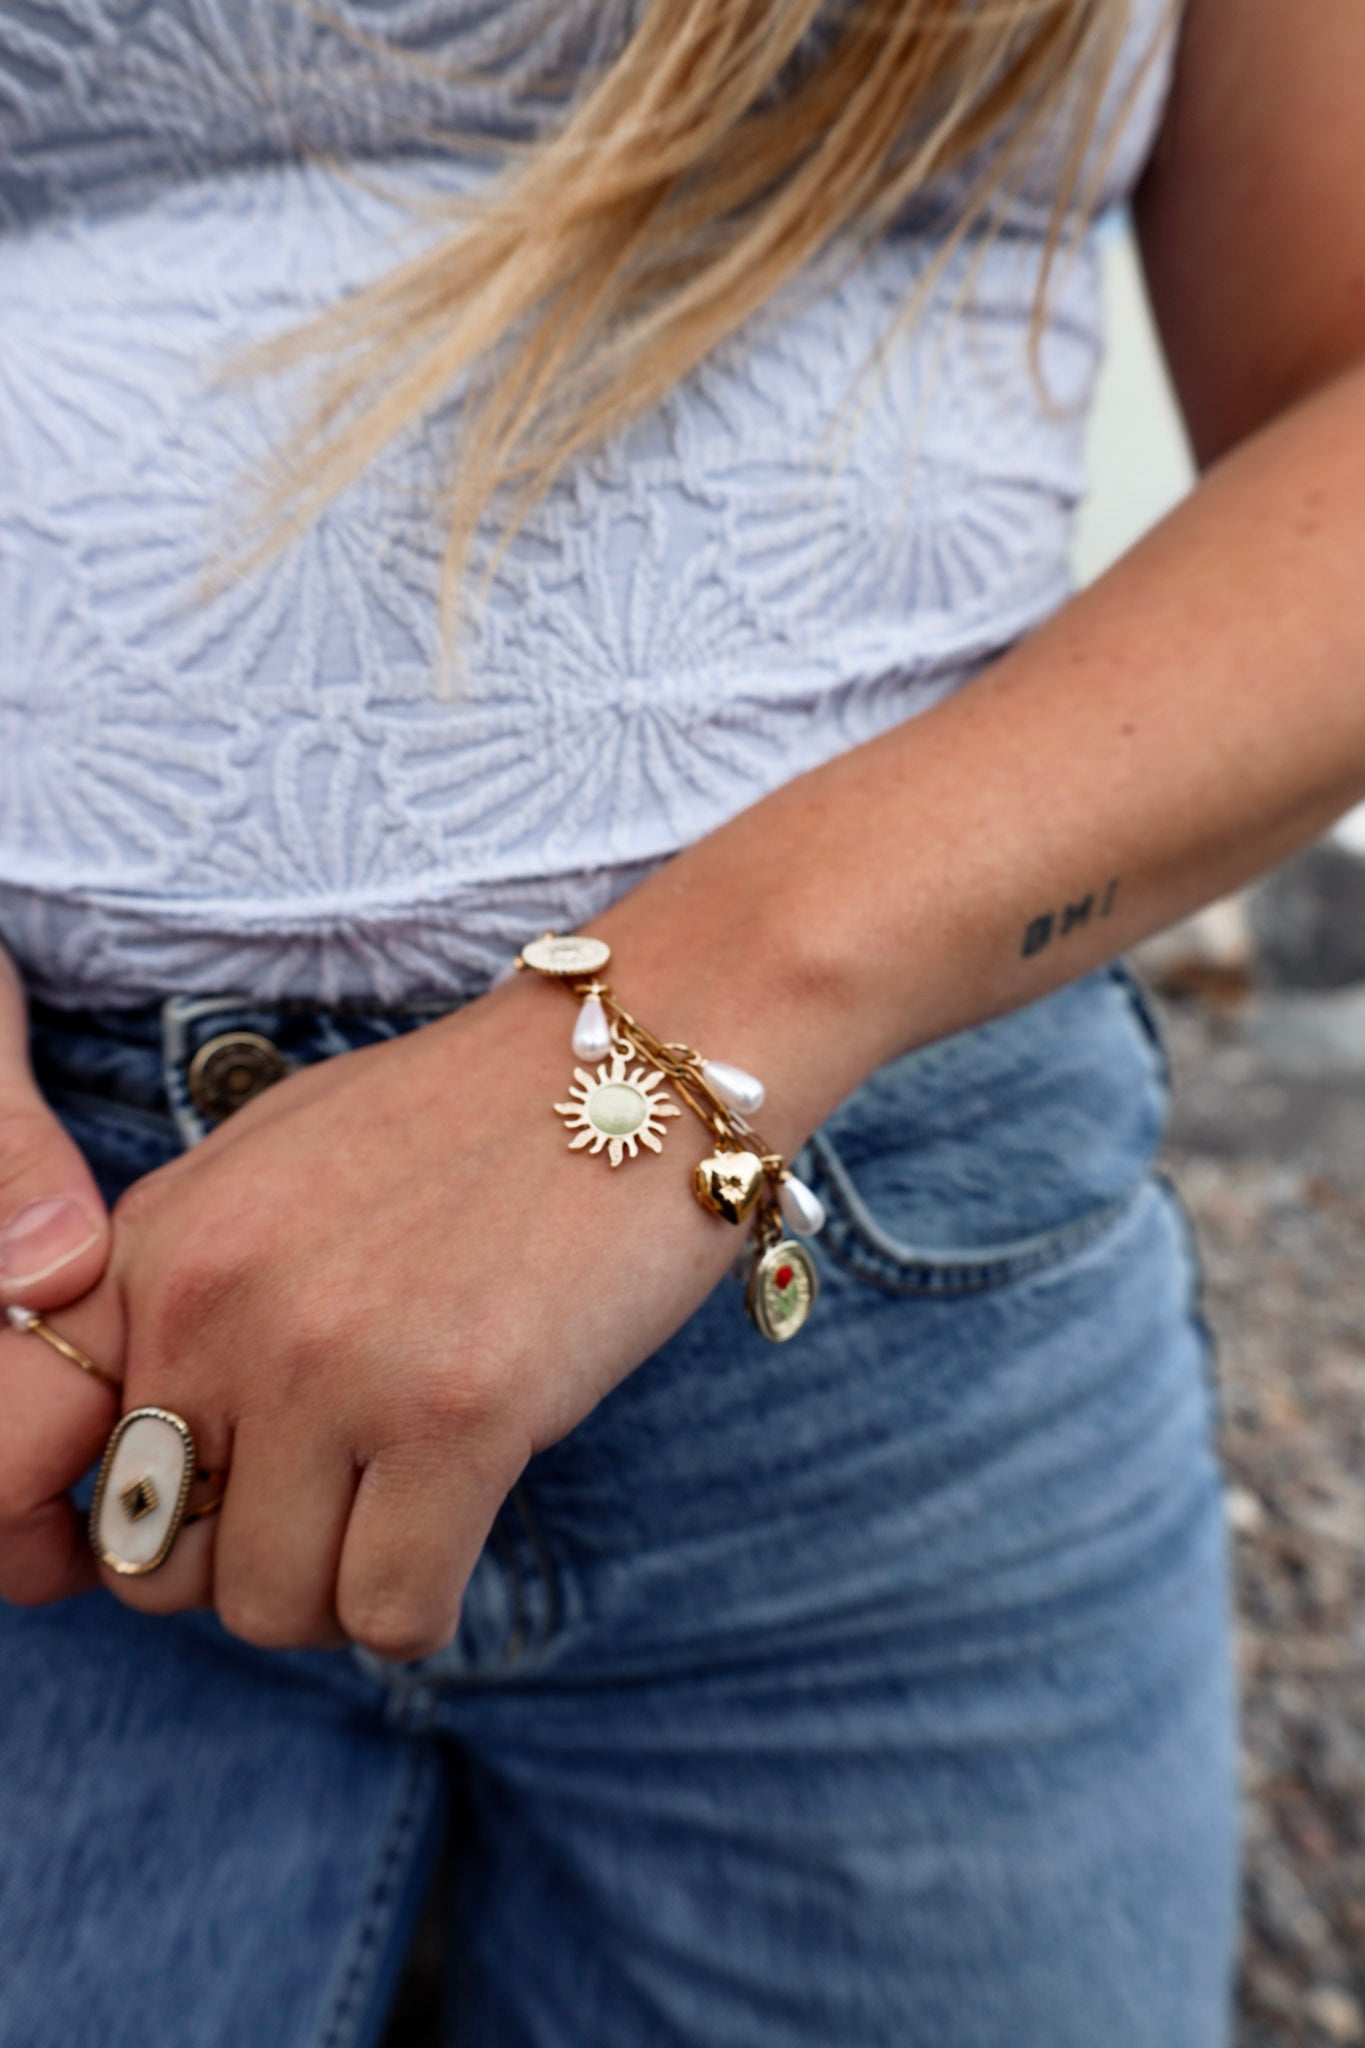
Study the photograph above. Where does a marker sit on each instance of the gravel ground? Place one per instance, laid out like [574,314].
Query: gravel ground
[1268,1148]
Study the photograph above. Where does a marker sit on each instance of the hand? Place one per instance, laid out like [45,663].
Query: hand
[373,1295]
[54,1242]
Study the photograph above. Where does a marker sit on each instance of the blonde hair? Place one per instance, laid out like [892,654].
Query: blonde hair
[724,146]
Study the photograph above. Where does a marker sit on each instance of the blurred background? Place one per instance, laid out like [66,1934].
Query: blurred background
[1263,1000]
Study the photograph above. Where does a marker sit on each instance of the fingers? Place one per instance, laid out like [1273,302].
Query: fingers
[280,1539]
[267,1560]
[54,1246]
[185,1577]
[412,1542]
[55,1427]
[182,1580]
[303,1553]
[54,1231]
[56,1420]
[47,1557]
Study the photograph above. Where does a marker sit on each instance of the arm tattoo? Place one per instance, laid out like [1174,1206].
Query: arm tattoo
[1041,930]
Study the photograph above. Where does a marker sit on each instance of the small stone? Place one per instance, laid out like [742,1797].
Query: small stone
[1285,1915]
[738,1090]
[139,1499]
[617,1108]
[1332,2008]
[592,1030]
[21,1318]
[802,1210]
[1245,1510]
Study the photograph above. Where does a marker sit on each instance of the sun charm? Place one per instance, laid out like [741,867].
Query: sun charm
[618,1111]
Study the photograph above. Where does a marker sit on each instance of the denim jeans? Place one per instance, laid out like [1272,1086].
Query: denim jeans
[868,1691]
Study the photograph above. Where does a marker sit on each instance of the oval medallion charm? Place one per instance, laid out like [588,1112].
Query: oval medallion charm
[142,1490]
[571,954]
[782,1290]
[728,1183]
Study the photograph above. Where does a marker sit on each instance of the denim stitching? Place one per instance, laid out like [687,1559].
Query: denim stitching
[339,2029]
[507,1557]
[930,1280]
[543,1558]
[1145,1012]
[1210,1349]
[853,1239]
[176,1016]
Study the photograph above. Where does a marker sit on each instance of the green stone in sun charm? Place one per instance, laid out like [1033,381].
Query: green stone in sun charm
[616,1110]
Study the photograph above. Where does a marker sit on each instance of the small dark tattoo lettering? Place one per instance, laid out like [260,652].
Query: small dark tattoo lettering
[1038,934]
[1049,924]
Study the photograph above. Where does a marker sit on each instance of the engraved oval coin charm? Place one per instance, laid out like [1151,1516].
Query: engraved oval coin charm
[728,1184]
[142,1490]
[570,954]
[782,1290]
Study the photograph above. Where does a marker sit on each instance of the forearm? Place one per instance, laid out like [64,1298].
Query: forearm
[1180,726]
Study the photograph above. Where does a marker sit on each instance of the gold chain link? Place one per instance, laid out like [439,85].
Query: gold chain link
[681,1065]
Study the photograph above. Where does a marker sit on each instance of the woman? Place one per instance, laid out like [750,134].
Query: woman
[873,1688]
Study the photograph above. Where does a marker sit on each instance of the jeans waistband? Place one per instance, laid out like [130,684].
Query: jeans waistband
[150,1054]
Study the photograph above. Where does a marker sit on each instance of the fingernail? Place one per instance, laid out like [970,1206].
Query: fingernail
[42,1238]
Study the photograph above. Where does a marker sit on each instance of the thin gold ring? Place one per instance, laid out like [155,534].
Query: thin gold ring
[29,1319]
[205,1507]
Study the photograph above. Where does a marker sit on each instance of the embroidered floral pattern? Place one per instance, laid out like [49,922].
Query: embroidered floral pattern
[259,787]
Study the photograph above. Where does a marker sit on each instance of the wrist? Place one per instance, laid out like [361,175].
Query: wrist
[706,969]
[618,1103]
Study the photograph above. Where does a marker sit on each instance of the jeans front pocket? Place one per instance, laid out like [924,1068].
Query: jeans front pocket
[1001,1151]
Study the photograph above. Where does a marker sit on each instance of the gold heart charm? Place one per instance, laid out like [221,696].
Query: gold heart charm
[728,1184]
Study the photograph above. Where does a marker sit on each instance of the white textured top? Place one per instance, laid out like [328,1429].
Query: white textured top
[263,791]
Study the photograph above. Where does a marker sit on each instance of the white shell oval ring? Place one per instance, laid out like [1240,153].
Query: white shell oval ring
[147,1474]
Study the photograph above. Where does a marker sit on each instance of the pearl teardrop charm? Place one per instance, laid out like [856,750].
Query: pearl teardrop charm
[802,1210]
[735,1088]
[592,1030]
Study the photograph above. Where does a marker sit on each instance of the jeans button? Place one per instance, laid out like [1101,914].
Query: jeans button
[229,1070]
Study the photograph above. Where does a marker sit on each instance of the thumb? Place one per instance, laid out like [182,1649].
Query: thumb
[54,1230]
